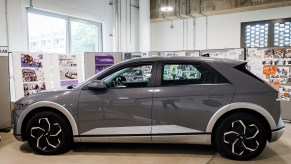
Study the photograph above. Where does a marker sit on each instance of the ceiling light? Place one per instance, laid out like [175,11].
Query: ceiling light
[167,8]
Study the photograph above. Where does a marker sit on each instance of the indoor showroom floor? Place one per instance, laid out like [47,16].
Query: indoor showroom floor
[12,151]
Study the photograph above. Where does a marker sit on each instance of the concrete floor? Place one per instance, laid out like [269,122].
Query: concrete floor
[12,151]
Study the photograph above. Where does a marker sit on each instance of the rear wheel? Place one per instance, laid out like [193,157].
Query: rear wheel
[48,133]
[240,136]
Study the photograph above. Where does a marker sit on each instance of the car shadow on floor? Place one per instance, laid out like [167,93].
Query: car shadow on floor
[104,148]
[144,148]
[157,149]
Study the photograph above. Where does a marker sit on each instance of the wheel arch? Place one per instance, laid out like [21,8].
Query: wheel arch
[45,106]
[257,110]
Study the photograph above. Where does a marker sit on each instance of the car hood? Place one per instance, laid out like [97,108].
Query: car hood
[53,96]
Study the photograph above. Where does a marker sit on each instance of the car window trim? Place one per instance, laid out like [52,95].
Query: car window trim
[159,76]
[108,72]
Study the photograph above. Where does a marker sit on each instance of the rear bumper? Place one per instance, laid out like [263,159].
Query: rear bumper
[278,132]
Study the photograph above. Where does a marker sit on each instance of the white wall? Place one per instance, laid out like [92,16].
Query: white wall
[128,25]
[17,20]
[222,31]
[3,38]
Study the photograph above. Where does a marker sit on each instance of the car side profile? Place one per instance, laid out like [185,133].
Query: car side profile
[157,100]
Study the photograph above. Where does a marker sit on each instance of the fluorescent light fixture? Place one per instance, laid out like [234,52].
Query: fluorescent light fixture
[167,8]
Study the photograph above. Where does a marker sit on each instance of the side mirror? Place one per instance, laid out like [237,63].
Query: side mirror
[97,85]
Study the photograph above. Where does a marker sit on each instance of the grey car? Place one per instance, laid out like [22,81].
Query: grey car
[157,100]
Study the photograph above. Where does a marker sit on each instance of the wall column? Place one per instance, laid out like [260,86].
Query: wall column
[144,26]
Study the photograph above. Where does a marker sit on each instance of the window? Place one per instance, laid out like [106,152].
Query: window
[266,33]
[84,36]
[46,34]
[183,74]
[256,35]
[130,77]
[54,33]
[282,34]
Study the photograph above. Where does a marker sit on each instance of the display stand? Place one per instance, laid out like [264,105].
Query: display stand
[230,53]
[273,65]
[68,70]
[131,55]
[95,62]
[32,73]
[5,112]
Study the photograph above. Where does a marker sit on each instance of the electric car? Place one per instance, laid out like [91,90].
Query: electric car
[157,100]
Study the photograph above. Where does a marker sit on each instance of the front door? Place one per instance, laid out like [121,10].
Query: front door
[123,109]
[185,98]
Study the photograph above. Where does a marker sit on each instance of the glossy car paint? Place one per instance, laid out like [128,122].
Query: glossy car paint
[185,113]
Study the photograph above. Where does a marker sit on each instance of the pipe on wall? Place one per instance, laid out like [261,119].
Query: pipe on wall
[6,17]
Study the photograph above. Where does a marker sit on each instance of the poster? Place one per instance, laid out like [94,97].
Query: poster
[170,54]
[235,54]
[269,70]
[103,61]
[3,50]
[132,55]
[31,88]
[275,64]
[68,70]
[32,72]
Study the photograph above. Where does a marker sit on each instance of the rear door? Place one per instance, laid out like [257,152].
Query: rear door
[185,97]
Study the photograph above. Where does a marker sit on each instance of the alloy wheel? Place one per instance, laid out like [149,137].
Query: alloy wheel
[241,138]
[46,134]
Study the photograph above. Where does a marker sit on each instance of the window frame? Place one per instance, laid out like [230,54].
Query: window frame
[283,20]
[160,73]
[271,33]
[177,81]
[134,66]
[243,26]
[68,20]
[120,67]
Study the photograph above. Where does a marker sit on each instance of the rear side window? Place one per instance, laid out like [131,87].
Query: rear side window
[183,74]
[242,68]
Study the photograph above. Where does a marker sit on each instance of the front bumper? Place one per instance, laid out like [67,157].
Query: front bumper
[15,116]
[278,132]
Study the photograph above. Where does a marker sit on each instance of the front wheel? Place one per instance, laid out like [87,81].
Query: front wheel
[240,136]
[48,133]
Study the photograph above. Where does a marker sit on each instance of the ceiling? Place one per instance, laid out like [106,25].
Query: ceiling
[197,8]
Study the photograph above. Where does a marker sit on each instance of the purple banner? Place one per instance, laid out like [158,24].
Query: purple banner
[101,68]
[104,59]
[68,82]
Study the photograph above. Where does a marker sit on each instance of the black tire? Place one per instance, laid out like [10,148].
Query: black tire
[233,142]
[48,133]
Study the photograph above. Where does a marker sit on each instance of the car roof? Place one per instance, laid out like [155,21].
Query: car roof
[183,59]
[172,58]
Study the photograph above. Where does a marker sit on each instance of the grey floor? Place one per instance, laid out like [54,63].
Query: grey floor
[12,151]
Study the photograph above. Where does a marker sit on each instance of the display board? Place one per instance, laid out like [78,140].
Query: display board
[172,53]
[5,113]
[35,72]
[68,71]
[231,53]
[153,53]
[32,73]
[131,55]
[274,65]
[95,62]
[194,53]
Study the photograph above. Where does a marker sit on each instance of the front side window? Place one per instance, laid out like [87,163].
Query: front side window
[183,74]
[130,77]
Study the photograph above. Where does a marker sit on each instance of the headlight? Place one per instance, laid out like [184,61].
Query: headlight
[19,106]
